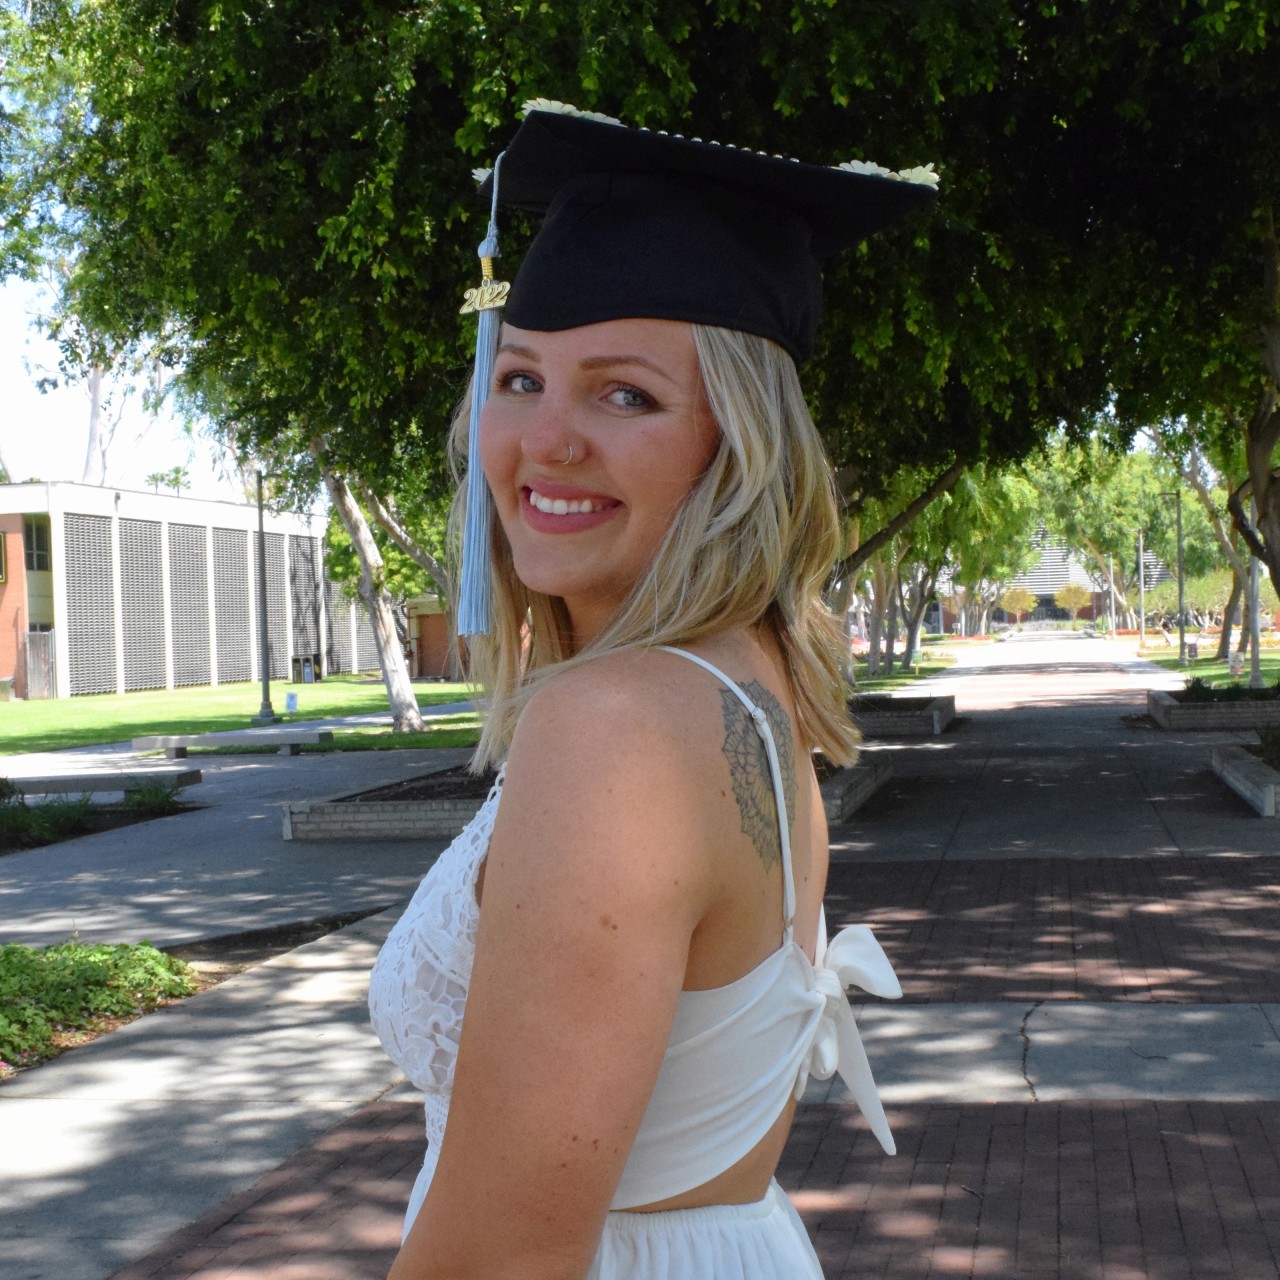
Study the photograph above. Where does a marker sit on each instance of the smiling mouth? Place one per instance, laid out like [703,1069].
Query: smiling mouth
[564,506]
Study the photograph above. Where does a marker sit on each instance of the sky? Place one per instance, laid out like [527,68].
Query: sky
[44,436]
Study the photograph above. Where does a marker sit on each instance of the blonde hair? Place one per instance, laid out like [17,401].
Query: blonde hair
[752,542]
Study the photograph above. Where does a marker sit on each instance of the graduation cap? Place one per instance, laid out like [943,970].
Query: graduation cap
[643,224]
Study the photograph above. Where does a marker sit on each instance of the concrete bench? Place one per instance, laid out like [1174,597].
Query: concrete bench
[85,783]
[288,741]
[1252,780]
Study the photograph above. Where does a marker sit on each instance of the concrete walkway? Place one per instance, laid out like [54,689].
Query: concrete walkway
[1083,1075]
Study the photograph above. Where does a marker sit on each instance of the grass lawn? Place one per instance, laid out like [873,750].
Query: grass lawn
[109,717]
[934,664]
[1216,673]
[461,730]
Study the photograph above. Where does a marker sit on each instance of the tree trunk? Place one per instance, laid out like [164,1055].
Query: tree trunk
[405,716]
[95,454]
[891,634]
[841,599]
[1262,432]
[1229,617]
[875,625]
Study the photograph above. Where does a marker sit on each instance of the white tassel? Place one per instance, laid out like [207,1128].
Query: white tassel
[475,592]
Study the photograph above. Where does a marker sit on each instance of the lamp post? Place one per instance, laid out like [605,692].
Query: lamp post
[1176,494]
[1111,594]
[266,715]
[1142,594]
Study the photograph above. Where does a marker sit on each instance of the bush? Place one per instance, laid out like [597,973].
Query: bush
[35,824]
[153,799]
[73,985]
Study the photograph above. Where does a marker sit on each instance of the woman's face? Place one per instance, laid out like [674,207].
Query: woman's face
[590,440]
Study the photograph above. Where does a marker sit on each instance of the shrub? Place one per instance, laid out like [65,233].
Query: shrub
[153,799]
[35,824]
[72,985]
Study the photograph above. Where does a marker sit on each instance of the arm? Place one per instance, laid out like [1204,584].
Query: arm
[592,889]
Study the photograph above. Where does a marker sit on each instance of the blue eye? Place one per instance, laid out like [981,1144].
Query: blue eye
[518,383]
[631,398]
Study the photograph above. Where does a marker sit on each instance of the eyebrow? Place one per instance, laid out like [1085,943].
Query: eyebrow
[593,362]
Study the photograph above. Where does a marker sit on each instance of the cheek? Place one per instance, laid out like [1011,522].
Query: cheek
[495,451]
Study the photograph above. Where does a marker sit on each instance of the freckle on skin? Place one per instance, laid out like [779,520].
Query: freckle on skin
[605,922]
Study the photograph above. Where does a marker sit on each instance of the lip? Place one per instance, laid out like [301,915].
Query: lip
[544,522]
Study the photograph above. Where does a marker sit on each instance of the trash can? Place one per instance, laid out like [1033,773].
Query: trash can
[304,671]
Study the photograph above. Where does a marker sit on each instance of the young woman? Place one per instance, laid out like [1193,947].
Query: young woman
[633,921]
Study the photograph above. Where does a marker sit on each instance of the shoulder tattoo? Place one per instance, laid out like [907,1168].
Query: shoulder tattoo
[749,767]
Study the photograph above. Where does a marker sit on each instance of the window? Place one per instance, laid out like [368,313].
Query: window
[35,538]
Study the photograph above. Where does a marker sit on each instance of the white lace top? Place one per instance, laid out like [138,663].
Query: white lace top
[418,988]
[735,1055]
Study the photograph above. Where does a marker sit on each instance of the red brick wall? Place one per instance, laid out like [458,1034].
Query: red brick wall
[13,595]
[433,645]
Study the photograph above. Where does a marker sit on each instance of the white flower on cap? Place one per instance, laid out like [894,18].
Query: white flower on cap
[480,175]
[921,175]
[565,109]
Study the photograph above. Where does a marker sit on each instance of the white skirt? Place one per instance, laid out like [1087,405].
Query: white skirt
[761,1241]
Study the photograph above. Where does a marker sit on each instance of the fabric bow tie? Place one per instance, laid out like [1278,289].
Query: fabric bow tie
[854,958]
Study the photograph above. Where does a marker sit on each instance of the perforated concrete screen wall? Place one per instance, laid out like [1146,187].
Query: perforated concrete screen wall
[232,609]
[189,604]
[91,633]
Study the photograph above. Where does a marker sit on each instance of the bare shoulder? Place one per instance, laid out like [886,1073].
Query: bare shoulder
[639,713]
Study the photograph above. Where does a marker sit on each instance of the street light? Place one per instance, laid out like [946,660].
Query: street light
[1142,594]
[266,714]
[1176,494]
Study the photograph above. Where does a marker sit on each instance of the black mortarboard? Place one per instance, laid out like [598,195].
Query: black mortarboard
[638,223]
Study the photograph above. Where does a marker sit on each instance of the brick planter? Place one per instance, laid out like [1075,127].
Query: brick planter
[844,792]
[1254,781]
[903,717]
[1248,713]
[337,818]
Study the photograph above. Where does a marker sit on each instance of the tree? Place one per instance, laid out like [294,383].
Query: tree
[300,166]
[284,187]
[1017,601]
[1072,598]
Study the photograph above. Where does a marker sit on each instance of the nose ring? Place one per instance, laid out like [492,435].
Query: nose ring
[569,459]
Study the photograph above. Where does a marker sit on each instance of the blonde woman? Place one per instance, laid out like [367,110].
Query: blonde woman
[633,923]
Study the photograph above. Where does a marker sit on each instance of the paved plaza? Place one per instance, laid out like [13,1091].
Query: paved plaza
[1083,1076]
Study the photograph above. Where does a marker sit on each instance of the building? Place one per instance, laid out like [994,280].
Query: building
[107,590]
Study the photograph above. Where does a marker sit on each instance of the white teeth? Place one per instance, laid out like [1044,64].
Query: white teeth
[562,507]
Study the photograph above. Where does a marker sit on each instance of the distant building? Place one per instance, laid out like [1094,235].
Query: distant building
[106,590]
[1056,567]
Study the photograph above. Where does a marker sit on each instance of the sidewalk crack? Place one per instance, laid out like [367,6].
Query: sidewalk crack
[1275,1031]
[1026,1048]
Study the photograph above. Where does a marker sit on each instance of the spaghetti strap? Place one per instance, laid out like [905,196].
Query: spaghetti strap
[765,730]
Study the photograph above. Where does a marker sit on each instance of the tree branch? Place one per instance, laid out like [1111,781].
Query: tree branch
[1241,521]
[1195,479]
[388,518]
[935,489]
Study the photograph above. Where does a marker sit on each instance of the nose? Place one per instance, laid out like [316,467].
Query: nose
[550,437]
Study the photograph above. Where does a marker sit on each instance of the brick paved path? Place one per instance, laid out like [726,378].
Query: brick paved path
[1073,1190]
[1060,1191]
[1187,931]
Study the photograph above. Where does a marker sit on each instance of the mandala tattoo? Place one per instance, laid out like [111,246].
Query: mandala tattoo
[749,767]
